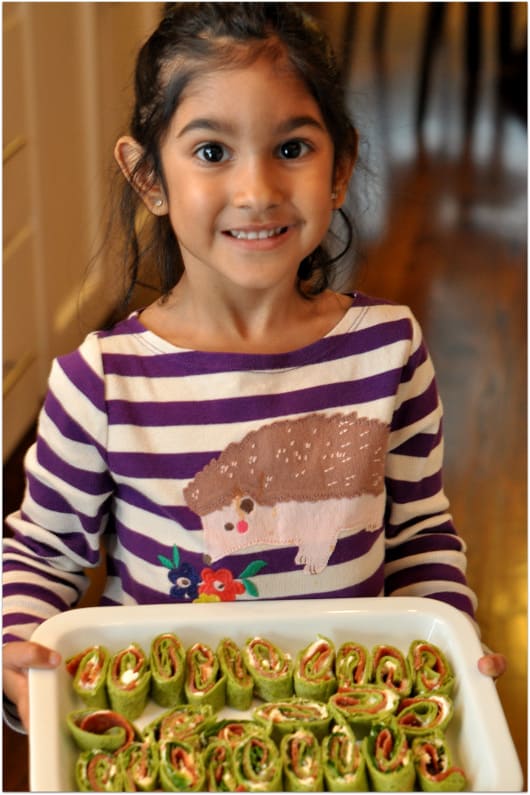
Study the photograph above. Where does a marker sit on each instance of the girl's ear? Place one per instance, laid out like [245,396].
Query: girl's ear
[129,154]
[343,171]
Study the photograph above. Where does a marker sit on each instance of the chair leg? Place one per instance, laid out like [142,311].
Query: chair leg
[431,39]
[472,58]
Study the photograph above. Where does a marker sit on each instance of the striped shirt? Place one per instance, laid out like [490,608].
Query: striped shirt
[229,476]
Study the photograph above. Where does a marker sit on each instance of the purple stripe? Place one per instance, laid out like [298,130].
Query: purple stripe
[424,573]
[339,346]
[403,491]
[75,541]
[175,513]
[52,500]
[420,544]
[415,360]
[67,426]
[21,589]
[93,483]
[420,445]
[159,465]
[26,567]
[446,526]
[83,377]
[244,409]
[458,600]
[416,408]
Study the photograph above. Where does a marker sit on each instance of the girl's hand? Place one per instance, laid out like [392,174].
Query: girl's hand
[492,665]
[17,657]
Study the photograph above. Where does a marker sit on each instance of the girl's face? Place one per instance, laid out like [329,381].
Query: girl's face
[248,167]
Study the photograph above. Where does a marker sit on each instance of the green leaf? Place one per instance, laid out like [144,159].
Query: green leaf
[166,562]
[176,556]
[250,587]
[253,568]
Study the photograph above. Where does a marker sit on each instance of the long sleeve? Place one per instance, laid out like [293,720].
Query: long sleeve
[56,532]
[424,554]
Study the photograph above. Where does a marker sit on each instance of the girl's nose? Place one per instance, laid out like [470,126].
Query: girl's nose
[257,186]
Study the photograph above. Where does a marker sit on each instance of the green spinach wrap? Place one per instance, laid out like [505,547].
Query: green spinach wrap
[283,717]
[270,667]
[419,715]
[204,683]
[363,704]
[352,665]
[257,765]
[390,668]
[167,663]
[232,731]
[128,681]
[314,670]
[183,723]
[219,767]
[389,758]
[302,762]
[102,728]
[239,683]
[140,763]
[89,671]
[98,771]
[431,670]
[434,769]
[343,762]
[181,767]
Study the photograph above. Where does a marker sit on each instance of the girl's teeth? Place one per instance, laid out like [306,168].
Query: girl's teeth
[255,235]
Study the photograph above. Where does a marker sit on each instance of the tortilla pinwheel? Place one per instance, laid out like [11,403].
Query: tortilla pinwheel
[128,681]
[302,762]
[219,767]
[167,663]
[204,682]
[390,668]
[430,668]
[89,670]
[239,683]
[419,715]
[140,763]
[270,668]
[257,765]
[232,731]
[314,672]
[352,665]
[389,758]
[362,704]
[434,769]
[98,771]
[343,762]
[181,767]
[183,723]
[283,717]
[102,728]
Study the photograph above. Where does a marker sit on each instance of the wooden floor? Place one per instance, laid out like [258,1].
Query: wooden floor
[443,223]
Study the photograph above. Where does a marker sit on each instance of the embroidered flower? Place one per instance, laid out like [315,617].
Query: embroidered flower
[184,576]
[204,597]
[221,583]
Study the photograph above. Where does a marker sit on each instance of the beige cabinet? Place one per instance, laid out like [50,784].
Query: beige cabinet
[67,81]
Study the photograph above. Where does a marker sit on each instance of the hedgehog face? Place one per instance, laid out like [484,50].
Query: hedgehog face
[243,506]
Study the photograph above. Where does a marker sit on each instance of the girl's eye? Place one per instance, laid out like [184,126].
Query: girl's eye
[211,153]
[290,150]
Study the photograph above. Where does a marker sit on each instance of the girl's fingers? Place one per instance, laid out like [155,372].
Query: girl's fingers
[21,655]
[492,665]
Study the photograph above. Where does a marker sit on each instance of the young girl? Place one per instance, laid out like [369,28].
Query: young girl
[252,433]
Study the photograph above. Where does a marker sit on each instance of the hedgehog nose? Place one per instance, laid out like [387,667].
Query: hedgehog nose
[242,526]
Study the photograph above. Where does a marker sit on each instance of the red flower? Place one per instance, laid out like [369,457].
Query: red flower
[220,583]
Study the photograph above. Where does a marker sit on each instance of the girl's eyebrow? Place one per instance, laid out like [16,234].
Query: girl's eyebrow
[218,126]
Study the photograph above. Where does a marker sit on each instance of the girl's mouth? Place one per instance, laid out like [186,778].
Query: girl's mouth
[256,234]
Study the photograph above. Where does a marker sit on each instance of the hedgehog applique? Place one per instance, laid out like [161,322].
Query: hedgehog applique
[298,482]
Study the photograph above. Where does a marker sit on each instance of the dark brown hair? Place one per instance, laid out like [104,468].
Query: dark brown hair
[193,38]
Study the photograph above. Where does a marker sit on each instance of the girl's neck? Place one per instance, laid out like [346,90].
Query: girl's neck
[253,324]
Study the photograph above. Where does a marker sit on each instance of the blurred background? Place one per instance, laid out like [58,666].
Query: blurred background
[438,93]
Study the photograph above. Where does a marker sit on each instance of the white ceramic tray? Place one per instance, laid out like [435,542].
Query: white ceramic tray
[478,734]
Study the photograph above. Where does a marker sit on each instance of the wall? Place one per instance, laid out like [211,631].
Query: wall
[67,94]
